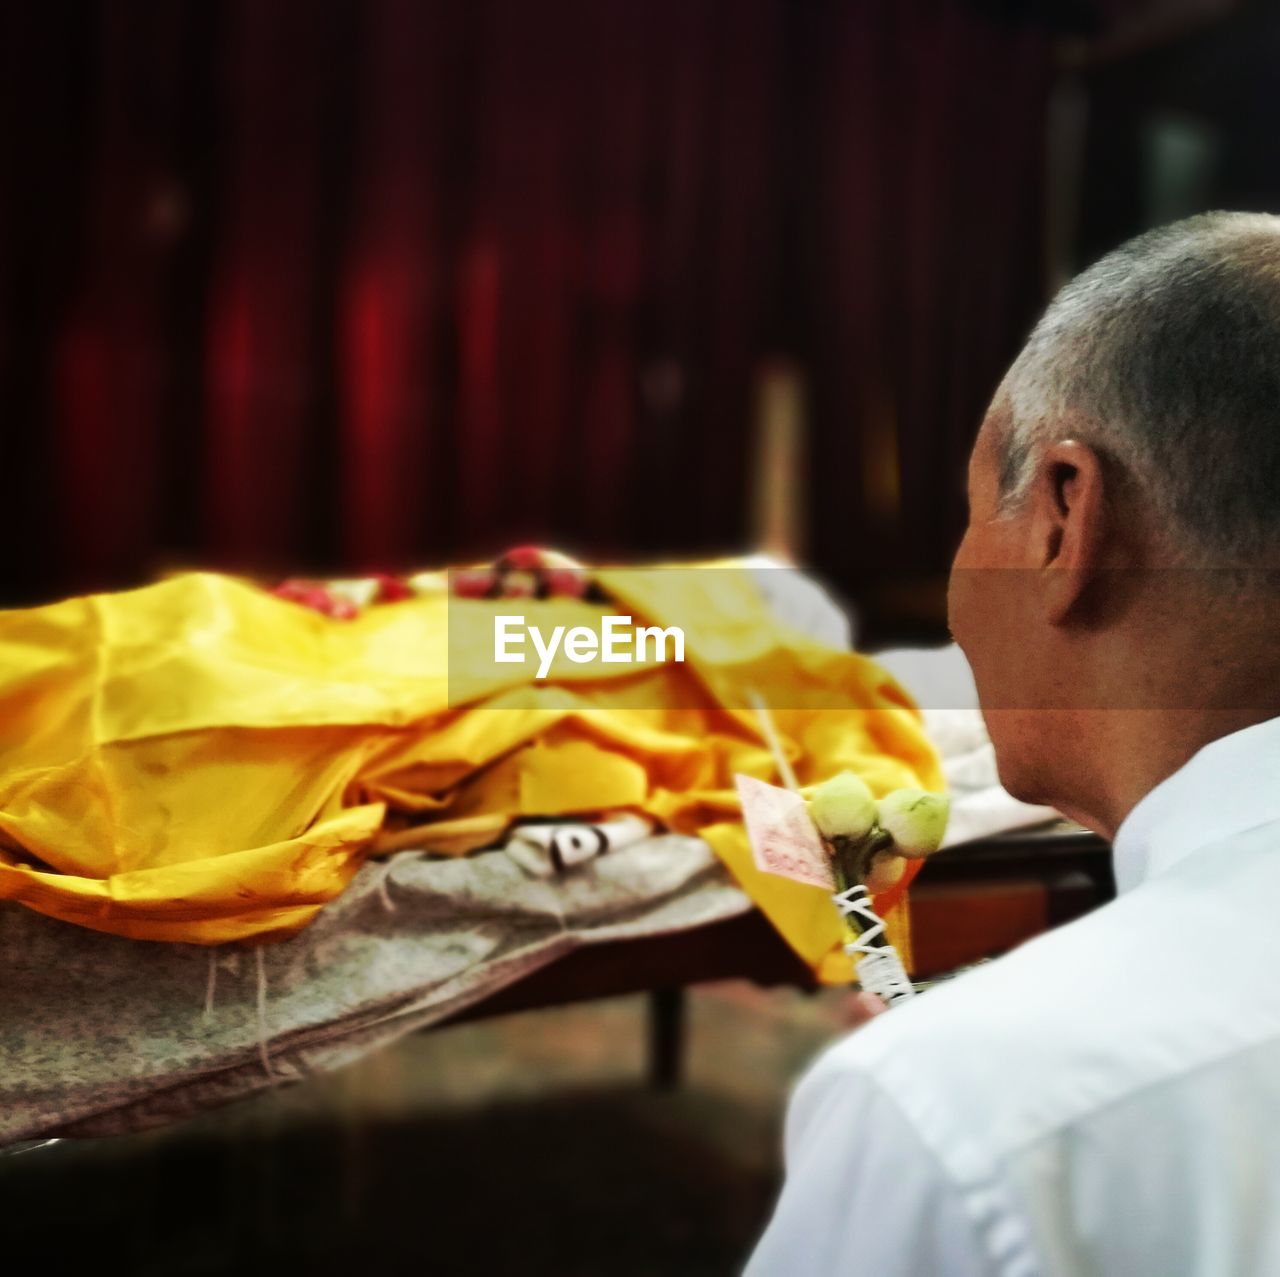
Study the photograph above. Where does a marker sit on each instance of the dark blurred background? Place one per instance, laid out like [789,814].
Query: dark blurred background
[328,285]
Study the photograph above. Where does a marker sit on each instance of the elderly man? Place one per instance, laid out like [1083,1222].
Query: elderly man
[1105,1100]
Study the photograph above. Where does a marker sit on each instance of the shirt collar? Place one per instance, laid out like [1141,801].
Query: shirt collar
[1230,785]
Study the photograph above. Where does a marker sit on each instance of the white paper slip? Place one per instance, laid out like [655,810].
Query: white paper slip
[782,835]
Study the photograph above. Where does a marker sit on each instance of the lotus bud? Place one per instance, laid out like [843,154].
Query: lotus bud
[886,871]
[915,820]
[842,807]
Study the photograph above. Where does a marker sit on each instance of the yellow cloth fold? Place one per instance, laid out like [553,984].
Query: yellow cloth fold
[200,761]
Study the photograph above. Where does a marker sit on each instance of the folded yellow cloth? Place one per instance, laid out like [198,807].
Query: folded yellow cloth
[201,761]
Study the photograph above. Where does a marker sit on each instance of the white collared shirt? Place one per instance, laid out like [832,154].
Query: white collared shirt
[1103,1101]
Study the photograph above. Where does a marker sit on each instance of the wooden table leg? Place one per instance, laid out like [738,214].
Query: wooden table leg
[666,1038]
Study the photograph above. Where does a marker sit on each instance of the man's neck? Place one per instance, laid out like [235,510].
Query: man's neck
[1132,751]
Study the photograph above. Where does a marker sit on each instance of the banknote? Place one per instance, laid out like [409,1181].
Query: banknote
[783,838]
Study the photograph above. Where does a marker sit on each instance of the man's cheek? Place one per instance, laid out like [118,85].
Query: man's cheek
[1011,745]
[961,604]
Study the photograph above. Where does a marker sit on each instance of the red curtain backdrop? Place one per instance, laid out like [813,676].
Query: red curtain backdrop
[924,247]
[303,285]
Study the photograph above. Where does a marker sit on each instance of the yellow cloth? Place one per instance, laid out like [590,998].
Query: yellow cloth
[200,761]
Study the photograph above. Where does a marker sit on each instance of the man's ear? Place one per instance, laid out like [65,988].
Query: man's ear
[1068,525]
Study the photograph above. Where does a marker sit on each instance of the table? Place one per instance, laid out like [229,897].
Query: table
[967,904]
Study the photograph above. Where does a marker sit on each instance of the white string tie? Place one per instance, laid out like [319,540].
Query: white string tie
[880,969]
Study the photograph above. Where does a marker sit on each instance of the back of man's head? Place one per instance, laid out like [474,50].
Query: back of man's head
[1129,474]
[1165,357]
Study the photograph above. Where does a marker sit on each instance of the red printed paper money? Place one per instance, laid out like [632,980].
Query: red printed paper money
[783,838]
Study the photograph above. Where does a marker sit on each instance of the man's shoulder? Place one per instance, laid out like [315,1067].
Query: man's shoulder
[1038,1040]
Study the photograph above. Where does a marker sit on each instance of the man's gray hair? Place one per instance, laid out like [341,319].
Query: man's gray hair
[1165,356]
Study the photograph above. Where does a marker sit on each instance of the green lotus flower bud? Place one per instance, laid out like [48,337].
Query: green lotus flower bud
[915,820]
[885,872]
[842,807]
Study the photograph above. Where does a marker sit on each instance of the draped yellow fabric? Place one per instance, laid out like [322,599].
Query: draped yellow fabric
[200,761]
